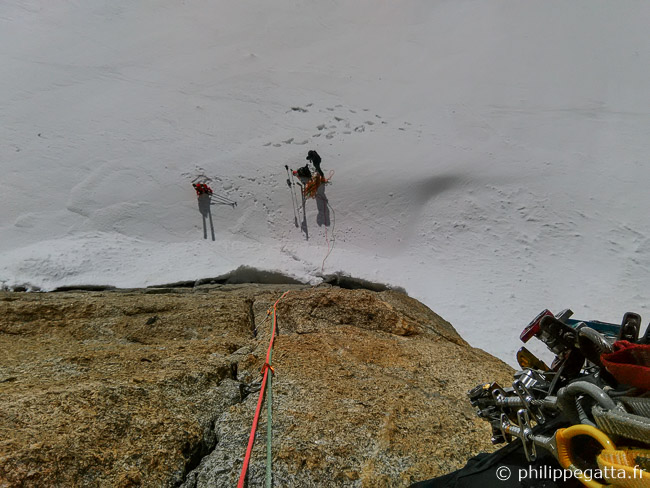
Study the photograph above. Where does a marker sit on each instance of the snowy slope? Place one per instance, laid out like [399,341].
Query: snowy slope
[489,157]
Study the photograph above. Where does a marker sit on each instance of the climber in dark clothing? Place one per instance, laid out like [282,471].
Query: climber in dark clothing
[315,160]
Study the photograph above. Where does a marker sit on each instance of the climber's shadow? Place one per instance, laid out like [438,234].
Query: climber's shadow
[303,225]
[204,207]
[322,204]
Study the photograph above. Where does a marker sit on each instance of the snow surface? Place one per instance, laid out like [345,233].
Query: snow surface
[490,157]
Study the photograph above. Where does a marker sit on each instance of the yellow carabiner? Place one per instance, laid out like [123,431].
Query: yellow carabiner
[563,440]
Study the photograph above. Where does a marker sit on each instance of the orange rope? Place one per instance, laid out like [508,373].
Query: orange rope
[310,188]
[265,370]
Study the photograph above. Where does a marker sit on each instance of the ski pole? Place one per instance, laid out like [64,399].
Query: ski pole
[293,196]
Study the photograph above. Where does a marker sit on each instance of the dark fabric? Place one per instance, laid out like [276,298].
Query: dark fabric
[315,159]
[304,172]
[481,472]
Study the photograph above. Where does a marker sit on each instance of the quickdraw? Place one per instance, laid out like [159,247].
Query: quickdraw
[597,386]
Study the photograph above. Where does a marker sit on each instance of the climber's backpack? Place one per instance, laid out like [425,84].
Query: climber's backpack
[304,172]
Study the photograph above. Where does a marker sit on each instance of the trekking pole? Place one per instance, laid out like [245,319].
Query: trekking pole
[293,196]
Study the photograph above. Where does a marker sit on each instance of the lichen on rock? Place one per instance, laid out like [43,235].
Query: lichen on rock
[138,388]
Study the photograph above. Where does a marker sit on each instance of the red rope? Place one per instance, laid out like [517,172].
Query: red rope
[260,400]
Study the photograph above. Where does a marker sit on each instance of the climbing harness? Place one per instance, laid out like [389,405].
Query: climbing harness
[266,381]
[598,386]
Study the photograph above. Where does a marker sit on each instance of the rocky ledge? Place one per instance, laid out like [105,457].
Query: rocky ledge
[157,387]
